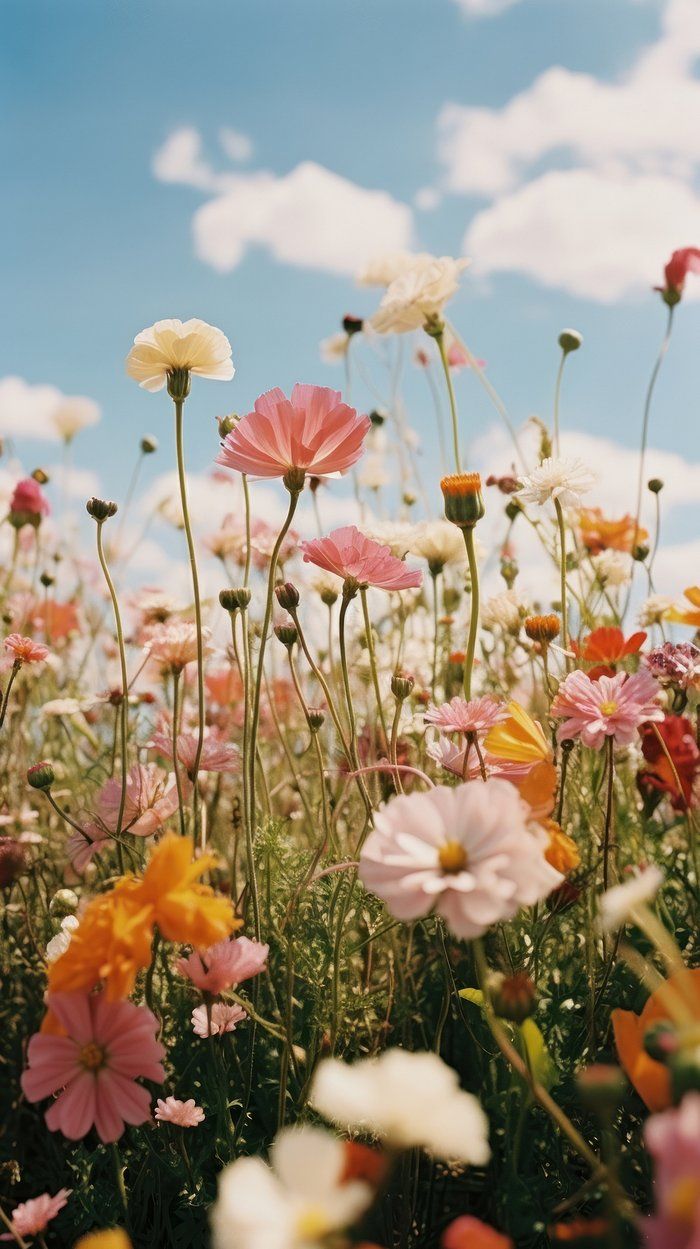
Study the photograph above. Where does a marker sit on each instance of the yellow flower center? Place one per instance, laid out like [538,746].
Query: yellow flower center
[92,1056]
[452,857]
[608,708]
[684,1198]
[312,1223]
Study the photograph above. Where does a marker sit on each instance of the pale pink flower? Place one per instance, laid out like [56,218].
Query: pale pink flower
[354,557]
[94,1067]
[217,754]
[451,757]
[184,1114]
[33,1217]
[677,665]
[224,964]
[222,1018]
[608,707]
[174,646]
[313,431]
[459,716]
[81,848]
[151,798]
[467,853]
[28,499]
[673,1140]
[25,650]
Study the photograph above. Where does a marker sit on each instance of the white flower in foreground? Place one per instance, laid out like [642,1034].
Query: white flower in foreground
[407,1100]
[612,568]
[73,414]
[440,542]
[59,944]
[564,479]
[169,345]
[617,905]
[418,295]
[296,1202]
[465,852]
[654,609]
[385,269]
[503,611]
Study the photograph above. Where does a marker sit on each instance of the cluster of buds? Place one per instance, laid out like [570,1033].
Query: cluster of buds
[100,509]
[235,600]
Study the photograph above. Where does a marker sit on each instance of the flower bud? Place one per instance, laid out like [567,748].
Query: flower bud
[352,325]
[13,860]
[570,340]
[512,509]
[294,479]
[377,419]
[287,596]
[226,424]
[179,384]
[640,553]
[656,485]
[235,600]
[409,499]
[64,902]
[149,445]
[100,509]
[512,997]
[402,684]
[464,502]
[329,596]
[287,634]
[685,1072]
[661,1041]
[41,775]
[543,629]
[47,580]
[450,599]
[316,718]
[509,571]
[41,476]
[601,1087]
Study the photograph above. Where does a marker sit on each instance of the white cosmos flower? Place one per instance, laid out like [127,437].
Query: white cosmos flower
[653,609]
[334,348]
[562,479]
[296,1202]
[193,345]
[438,541]
[73,414]
[373,473]
[59,944]
[407,1100]
[418,295]
[612,568]
[383,270]
[617,905]
[503,611]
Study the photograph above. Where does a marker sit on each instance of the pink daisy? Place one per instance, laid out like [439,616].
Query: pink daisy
[184,1114]
[608,707]
[217,754]
[313,431]
[224,964]
[221,1018]
[95,1065]
[25,650]
[356,558]
[32,1217]
[459,716]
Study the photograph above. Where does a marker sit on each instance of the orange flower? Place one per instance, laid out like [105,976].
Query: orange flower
[562,852]
[600,534]
[608,645]
[519,739]
[650,1078]
[184,910]
[112,1238]
[112,943]
[467,1232]
[685,615]
[579,1231]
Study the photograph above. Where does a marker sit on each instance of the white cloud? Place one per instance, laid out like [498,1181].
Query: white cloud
[631,196]
[237,146]
[309,217]
[26,411]
[485,8]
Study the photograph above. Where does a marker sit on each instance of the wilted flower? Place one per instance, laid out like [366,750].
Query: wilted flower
[216,1019]
[172,346]
[683,261]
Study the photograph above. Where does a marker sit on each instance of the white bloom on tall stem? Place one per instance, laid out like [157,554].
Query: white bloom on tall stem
[562,479]
[503,611]
[334,348]
[294,1203]
[418,295]
[408,1100]
[385,269]
[74,413]
[439,542]
[617,905]
[172,346]
[612,568]
[654,609]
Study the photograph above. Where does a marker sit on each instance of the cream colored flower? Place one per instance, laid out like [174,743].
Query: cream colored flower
[562,479]
[612,568]
[438,541]
[383,270]
[334,348]
[418,295]
[503,611]
[395,534]
[73,414]
[373,473]
[169,345]
[654,609]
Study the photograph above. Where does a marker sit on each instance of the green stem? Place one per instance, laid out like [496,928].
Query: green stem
[440,340]
[609,802]
[182,478]
[557,395]
[473,611]
[373,662]
[562,577]
[10,682]
[124,704]
[176,763]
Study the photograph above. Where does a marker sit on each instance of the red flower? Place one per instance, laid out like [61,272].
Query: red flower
[658,775]
[608,645]
[684,261]
[28,503]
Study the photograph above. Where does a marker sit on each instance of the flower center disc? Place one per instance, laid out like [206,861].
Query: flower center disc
[92,1056]
[312,1223]
[452,857]
[608,709]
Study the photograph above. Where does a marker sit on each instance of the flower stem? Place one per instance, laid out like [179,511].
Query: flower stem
[609,803]
[557,395]
[4,703]
[473,611]
[440,340]
[373,663]
[124,704]
[179,407]
[176,764]
[562,575]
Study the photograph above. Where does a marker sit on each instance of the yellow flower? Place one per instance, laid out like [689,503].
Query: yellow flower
[183,909]
[176,346]
[111,1238]
[686,615]
[518,738]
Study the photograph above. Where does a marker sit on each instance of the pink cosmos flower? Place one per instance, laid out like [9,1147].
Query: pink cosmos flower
[673,1140]
[313,431]
[467,853]
[222,1018]
[608,707]
[354,557]
[224,964]
[28,499]
[151,798]
[452,758]
[217,755]
[459,716]
[32,1217]
[25,650]
[184,1114]
[683,261]
[95,1065]
[174,646]
[81,849]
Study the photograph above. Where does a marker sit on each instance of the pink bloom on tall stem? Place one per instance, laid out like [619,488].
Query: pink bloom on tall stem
[151,798]
[354,557]
[313,431]
[28,500]
[608,707]
[183,1114]
[219,1019]
[683,261]
[95,1065]
[673,1140]
[25,650]
[32,1217]
[224,964]
[459,716]
[81,848]
[217,754]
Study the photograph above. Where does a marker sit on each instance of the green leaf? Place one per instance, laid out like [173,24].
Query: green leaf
[528,1040]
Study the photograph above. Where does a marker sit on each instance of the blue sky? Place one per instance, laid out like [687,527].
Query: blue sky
[97,246]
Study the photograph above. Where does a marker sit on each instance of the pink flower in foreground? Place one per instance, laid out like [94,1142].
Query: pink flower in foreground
[673,1140]
[313,431]
[33,1217]
[452,758]
[25,650]
[28,500]
[459,716]
[183,1114]
[609,707]
[354,557]
[683,261]
[95,1065]
[224,964]
[217,754]
[465,852]
[222,1018]
[151,798]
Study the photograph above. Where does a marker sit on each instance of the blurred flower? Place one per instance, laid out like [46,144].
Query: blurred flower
[25,650]
[654,609]
[151,798]
[93,1064]
[111,1238]
[608,645]
[313,431]
[59,944]
[466,853]
[32,1217]
[173,345]
[217,755]
[383,270]
[520,741]
[218,1019]
[467,1232]
[73,414]
[600,534]
[609,707]
[438,541]
[561,852]
[406,1099]
[650,1078]
[672,764]
[225,964]
[677,665]
[503,611]
[184,909]
[687,615]
[612,568]
[683,261]
[617,905]
[418,294]
[673,1140]
[183,1114]
[13,860]
[334,348]
[175,645]
[562,479]
[28,503]
[350,555]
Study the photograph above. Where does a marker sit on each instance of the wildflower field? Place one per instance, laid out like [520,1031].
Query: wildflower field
[356,902]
